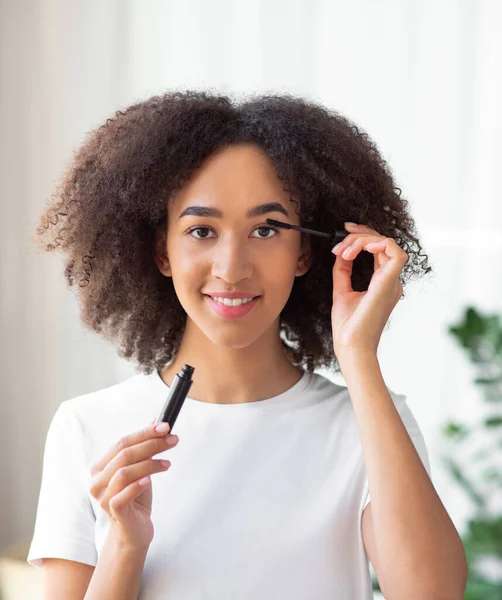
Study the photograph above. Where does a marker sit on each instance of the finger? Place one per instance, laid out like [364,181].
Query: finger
[131,473]
[138,453]
[378,251]
[352,245]
[130,456]
[125,486]
[342,271]
[349,240]
[390,255]
[125,442]
[128,494]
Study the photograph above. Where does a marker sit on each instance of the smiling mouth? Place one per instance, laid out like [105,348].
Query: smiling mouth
[230,302]
[233,312]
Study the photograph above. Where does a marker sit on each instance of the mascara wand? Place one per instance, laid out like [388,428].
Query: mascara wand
[335,237]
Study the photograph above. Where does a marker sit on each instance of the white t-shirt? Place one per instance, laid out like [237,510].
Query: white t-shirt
[263,499]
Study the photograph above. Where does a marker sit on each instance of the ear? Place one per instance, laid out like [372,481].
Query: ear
[160,253]
[305,258]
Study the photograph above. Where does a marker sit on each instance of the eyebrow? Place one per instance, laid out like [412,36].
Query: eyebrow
[208,211]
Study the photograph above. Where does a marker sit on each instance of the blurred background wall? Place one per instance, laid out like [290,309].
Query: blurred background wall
[424,79]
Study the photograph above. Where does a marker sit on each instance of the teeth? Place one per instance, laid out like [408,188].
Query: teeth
[232,302]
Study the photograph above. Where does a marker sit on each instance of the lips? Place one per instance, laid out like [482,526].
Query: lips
[231,312]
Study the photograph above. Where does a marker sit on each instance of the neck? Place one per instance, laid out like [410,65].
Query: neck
[223,375]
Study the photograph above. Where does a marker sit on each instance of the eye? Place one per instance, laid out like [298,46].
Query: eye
[206,229]
[266,228]
[199,229]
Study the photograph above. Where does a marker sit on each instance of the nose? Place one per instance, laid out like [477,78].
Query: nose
[232,260]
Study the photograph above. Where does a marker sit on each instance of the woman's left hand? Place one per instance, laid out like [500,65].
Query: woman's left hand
[358,318]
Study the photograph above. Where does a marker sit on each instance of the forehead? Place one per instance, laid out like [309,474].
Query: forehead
[240,172]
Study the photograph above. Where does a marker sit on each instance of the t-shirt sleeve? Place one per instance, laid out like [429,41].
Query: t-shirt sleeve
[415,434]
[65,519]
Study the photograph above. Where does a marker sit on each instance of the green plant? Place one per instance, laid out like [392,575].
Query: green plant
[481,336]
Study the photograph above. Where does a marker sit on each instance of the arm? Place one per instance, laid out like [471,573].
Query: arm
[65,579]
[416,548]
[117,576]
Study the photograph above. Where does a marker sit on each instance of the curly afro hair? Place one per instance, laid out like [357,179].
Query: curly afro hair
[111,202]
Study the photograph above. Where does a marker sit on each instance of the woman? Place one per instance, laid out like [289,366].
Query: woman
[161,216]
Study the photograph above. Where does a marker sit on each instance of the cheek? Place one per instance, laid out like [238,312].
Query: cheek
[277,273]
[188,273]
[285,270]
[186,260]
[285,259]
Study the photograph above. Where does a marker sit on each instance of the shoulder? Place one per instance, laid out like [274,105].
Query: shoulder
[106,401]
[102,416]
[332,394]
[335,384]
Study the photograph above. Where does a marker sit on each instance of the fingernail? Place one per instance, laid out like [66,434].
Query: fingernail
[336,247]
[349,223]
[162,427]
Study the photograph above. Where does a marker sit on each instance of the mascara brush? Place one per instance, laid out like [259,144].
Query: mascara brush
[334,237]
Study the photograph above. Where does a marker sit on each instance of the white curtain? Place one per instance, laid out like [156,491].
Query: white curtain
[422,78]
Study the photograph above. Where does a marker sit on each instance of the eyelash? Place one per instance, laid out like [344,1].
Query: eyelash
[209,228]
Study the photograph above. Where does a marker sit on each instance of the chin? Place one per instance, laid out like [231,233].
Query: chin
[231,340]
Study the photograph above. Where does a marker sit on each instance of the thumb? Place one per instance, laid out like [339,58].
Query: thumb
[342,271]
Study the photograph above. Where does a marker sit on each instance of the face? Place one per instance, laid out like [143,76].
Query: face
[226,246]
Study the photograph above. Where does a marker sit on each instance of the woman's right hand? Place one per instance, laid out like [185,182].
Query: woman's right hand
[121,483]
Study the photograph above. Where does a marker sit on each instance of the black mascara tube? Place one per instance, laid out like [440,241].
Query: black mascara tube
[177,394]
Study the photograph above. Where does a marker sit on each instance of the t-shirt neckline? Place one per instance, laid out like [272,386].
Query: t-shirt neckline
[293,397]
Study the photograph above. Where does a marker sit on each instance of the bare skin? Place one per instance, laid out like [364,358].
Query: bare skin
[116,483]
